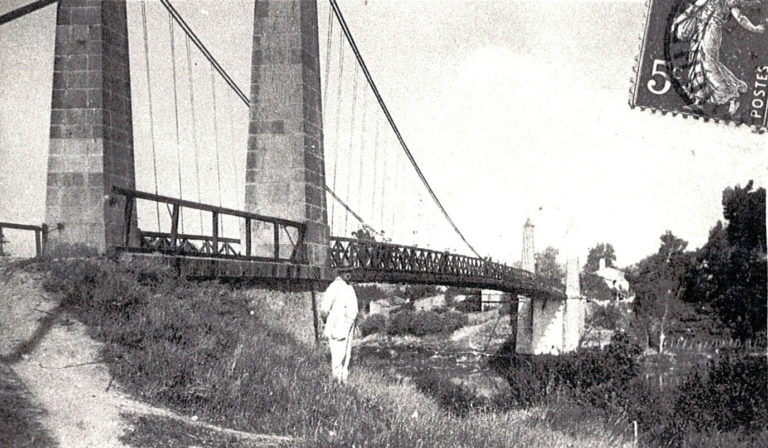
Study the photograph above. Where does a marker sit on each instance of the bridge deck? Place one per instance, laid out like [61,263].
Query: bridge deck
[209,256]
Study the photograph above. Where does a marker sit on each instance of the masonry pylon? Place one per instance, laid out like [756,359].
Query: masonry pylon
[285,170]
[91,133]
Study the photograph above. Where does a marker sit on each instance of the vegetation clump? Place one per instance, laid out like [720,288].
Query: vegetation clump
[729,396]
[422,323]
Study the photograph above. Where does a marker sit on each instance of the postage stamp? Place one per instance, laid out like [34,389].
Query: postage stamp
[705,58]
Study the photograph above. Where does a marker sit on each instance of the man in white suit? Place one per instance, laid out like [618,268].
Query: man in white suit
[339,309]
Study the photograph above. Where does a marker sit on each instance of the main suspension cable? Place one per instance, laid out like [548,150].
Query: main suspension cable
[199,44]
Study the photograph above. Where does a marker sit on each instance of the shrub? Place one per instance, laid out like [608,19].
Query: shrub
[374,323]
[400,323]
[472,304]
[453,320]
[422,323]
[425,322]
[591,376]
[453,397]
[415,292]
[731,395]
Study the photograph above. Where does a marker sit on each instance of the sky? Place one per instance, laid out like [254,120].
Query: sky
[513,110]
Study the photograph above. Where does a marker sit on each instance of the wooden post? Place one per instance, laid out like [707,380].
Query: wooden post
[38,249]
[215,224]
[276,241]
[247,237]
[127,216]
[43,238]
[174,225]
[314,316]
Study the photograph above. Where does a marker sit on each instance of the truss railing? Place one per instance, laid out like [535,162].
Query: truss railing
[214,245]
[374,256]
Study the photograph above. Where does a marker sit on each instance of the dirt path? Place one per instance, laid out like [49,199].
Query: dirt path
[60,366]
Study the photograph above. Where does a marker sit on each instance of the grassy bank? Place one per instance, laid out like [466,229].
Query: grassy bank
[228,356]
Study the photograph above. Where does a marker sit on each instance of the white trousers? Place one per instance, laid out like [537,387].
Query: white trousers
[341,349]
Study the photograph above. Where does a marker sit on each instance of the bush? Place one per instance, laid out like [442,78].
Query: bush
[453,397]
[425,322]
[415,292]
[591,376]
[374,323]
[731,395]
[400,323]
[472,304]
[422,323]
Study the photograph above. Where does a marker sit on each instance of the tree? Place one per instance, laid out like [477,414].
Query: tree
[601,250]
[548,267]
[658,281]
[730,275]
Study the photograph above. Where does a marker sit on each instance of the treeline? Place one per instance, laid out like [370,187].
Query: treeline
[719,289]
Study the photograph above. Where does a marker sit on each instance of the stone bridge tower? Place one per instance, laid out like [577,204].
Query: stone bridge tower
[285,170]
[91,133]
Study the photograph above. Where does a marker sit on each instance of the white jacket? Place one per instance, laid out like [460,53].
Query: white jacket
[339,303]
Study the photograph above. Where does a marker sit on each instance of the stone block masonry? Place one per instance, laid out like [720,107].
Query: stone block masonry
[285,169]
[91,133]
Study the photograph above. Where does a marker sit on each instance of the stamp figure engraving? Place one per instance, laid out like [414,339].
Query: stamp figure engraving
[706,58]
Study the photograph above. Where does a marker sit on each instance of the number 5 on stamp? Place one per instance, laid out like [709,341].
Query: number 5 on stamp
[705,58]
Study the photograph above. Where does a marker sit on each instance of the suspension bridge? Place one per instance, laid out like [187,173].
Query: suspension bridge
[299,218]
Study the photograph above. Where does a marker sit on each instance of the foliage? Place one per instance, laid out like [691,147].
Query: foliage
[609,317]
[374,323]
[595,287]
[455,398]
[470,294]
[548,268]
[730,396]
[591,376]
[730,275]
[658,282]
[422,323]
[367,294]
[601,250]
[727,398]
[472,304]
[415,292]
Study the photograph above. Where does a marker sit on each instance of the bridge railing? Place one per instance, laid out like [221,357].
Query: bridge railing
[285,241]
[379,256]
[41,234]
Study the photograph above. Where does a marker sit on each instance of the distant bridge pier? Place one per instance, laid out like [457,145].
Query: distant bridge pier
[525,305]
[91,134]
[549,325]
[575,307]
